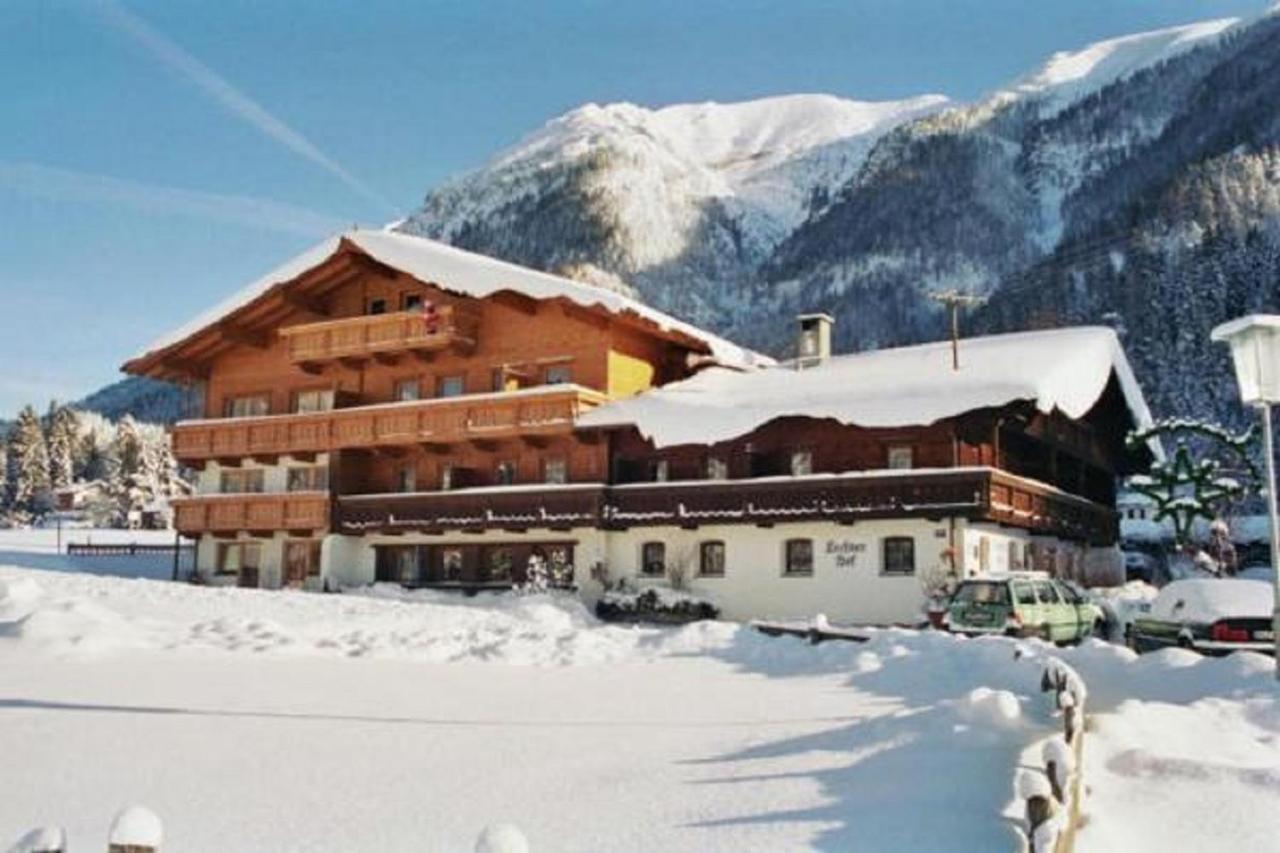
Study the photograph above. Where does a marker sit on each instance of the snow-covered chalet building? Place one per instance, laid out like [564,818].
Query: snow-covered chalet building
[387,408]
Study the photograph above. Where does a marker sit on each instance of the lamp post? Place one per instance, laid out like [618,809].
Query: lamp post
[1255,352]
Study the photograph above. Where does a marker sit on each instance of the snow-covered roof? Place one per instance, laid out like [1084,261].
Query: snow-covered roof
[1063,369]
[462,272]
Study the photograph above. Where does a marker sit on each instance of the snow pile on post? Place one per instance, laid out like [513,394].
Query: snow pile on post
[44,839]
[502,838]
[136,828]
[1062,369]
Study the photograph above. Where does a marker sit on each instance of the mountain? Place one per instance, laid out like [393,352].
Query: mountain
[1134,181]
[683,203]
[148,400]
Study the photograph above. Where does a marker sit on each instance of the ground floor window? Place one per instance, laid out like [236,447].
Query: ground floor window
[653,559]
[711,559]
[242,560]
[499,563]
[301,561]
[899,555]
[798,557]
[396,564]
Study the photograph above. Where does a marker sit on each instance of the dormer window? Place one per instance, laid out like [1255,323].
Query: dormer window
[900,457]
[717,468]
[801,463]
[557,374]
[377,306]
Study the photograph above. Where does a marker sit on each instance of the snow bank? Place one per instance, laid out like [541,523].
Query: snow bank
[1063,369]
[1206,600]
[41,840]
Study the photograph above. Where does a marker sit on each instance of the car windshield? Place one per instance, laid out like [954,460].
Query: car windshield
[983,593]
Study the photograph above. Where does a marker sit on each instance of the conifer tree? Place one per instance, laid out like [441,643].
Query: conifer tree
[28,463]
[62,429]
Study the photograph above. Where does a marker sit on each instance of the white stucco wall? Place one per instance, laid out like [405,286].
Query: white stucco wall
[847,583]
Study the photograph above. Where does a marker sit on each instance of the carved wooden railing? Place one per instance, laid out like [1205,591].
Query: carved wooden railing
[230,513]
[980,494]
[534,411]
[380,334]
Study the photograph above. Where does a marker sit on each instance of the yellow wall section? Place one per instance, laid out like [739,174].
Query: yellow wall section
[628,374]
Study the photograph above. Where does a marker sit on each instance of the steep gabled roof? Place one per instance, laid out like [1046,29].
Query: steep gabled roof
[447,268]
[1064,369]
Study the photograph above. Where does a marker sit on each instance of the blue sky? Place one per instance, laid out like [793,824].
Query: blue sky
[155,156]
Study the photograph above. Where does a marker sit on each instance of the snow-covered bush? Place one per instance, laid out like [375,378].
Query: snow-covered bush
[655,604]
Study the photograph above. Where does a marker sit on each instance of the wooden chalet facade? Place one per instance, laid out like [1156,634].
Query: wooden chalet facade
[385,408]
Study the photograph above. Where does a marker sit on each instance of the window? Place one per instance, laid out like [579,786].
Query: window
[406,479]
[984,554]
[504,474]
[661,471]
[410,301]
[1046,592]
[899,554]
[499,561]
[377,306]
[446,477]
[555,471]
[801,463]
[450,386]
[235,558]
[900,457]
[314,400]
[1023,593]
[240,481]
[557,374]
[711,559]
[653,559]
[717,468]
[310,478]
[247,406]
[1015,557]
[798,557]
[396,563]
[499,380]
[407,389]
[451,564]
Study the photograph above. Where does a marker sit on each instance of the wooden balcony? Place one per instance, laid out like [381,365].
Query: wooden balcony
[537,411]
[517,508]
[383,337]
[297,511]
[980,494]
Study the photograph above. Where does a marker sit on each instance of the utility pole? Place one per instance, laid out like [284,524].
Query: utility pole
[954,300]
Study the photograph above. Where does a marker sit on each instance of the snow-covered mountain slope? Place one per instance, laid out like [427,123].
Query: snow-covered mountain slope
[1069,76]
[694,193]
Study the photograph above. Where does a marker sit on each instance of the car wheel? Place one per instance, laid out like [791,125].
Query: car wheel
[1045,633]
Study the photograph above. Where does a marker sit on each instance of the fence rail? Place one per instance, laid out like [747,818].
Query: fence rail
[120,549]
[1053,796]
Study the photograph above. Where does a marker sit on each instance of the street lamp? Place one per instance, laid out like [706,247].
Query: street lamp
[1255,351]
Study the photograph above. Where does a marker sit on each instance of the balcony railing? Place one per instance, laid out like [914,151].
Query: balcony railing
[535,411]
[233,513]
[377,335]
[981,494]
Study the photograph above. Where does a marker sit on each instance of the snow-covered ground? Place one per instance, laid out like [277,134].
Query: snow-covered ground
[252,720]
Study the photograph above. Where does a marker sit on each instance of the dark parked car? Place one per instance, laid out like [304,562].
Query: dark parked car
[1209,615]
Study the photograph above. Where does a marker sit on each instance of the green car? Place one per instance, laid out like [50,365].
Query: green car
[1023,604]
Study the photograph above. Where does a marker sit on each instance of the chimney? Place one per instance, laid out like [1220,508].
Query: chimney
[813,344]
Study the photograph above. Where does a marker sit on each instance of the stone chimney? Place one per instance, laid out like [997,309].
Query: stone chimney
[813,342]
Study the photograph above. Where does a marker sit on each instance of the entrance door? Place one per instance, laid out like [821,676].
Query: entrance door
[301,560]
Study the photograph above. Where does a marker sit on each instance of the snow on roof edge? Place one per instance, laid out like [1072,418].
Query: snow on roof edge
[1064,369]
[459,271]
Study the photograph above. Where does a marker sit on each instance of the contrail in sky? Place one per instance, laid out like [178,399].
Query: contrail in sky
[63,184]
[231,98]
